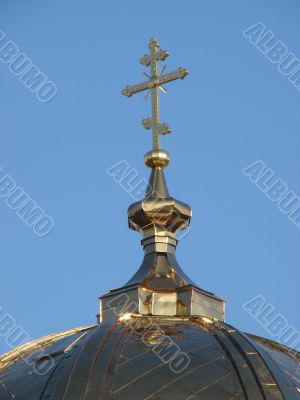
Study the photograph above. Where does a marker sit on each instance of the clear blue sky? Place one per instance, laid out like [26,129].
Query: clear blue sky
[233,109]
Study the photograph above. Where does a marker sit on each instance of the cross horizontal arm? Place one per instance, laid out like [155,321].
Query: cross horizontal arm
[157,127]
[160,55]
[180,73]
[130,90]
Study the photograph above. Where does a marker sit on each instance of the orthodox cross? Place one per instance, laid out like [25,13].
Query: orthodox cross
[154,85]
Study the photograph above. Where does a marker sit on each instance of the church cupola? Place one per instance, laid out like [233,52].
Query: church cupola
[159,287]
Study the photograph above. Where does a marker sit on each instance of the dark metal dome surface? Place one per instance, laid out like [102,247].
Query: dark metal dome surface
[133,359]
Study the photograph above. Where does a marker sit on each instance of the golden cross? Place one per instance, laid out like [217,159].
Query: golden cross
[154,84]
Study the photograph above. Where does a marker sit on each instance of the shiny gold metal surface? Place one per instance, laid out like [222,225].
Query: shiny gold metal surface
[133,358]
[163,336]
[157,158]
[159,287]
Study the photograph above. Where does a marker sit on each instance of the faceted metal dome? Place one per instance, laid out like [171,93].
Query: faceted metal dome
[141,358]
[160,336]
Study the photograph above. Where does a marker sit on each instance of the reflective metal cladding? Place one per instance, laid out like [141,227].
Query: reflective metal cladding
[160,336]
[160,287]
[151,358]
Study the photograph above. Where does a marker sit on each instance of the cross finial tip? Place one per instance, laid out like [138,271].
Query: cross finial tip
[182,72]
[153,43]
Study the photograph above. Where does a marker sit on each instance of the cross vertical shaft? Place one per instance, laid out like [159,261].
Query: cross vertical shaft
[154,95]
